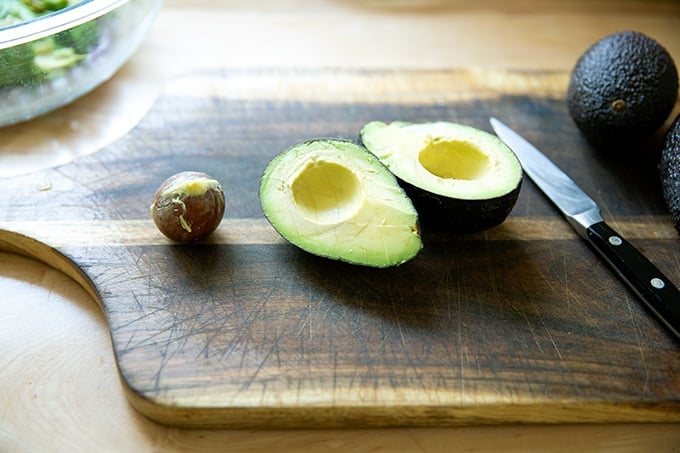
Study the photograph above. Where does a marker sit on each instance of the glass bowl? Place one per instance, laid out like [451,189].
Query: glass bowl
[51,60]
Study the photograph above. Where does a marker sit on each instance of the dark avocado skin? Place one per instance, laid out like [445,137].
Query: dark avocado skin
[669,171]
[627,66]
[443,214]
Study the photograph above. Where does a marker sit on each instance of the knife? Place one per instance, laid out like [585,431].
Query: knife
[648,282]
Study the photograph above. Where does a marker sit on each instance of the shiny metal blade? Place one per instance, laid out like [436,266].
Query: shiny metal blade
[575,204]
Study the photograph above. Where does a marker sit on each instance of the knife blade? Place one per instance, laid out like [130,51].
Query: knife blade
[641,275]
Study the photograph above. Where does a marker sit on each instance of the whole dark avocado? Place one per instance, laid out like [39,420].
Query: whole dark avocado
[669,171]
[622,89]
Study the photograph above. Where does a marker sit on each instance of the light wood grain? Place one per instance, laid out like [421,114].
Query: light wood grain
[56,335]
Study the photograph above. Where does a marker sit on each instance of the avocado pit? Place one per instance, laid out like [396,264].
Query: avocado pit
[188,206]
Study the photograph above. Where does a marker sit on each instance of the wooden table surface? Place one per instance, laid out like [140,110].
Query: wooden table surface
[59,389]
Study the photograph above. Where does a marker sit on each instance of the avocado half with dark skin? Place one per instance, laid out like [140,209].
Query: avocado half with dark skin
[461,179]
[669,171]
[334,199]
[622,90]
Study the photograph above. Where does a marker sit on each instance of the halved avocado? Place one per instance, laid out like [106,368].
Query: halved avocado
[460,178]
[334,199]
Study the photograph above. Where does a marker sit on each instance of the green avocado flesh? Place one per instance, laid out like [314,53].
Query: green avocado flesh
[334,199]
[460,178]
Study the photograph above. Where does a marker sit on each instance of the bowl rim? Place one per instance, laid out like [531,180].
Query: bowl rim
[51,24]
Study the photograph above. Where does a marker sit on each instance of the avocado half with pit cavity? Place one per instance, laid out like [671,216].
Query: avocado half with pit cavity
[460,178]
[334,199]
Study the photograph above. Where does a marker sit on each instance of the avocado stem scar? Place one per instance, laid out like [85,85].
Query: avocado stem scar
[619,105]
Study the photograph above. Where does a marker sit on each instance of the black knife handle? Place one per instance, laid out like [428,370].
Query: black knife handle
[648,282]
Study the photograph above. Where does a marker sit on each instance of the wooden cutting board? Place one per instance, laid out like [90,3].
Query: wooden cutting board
[521,323]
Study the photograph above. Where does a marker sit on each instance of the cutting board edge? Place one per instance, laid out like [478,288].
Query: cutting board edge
[21,244]
[328,415]
[406,415]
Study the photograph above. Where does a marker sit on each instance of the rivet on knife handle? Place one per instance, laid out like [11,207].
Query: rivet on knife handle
[654,288]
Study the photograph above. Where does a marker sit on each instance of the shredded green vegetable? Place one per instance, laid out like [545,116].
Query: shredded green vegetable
[47,58]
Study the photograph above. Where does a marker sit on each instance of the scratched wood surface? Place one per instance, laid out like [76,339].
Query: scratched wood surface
[521,323]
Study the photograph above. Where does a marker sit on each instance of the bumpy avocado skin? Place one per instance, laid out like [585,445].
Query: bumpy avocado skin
[622,89]
[669,171]
[439,213]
